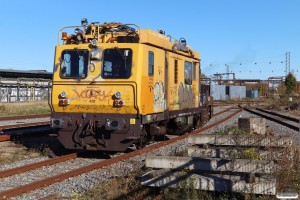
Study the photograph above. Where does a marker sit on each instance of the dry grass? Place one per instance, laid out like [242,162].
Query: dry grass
[288,175]
[10,152]
[118,188]
[282,103]
[24,108]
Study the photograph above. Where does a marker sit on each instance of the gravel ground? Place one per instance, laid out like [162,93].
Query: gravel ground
[22,163]
[41,173]
[72,186]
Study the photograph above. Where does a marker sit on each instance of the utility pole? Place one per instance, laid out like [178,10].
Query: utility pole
[227,71]
[287,63]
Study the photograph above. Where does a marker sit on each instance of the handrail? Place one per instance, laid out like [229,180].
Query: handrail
[50,96]
[65,28]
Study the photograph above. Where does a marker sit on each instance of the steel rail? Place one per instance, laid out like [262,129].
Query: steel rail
[293,119]
[296,128]
[224,111]
[227,103]
[4,138]
[57,178]
[26,168]
[25,125]
[24,117]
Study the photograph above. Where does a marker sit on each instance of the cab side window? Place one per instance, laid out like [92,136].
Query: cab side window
[150,63]
[175,71]
[188,73]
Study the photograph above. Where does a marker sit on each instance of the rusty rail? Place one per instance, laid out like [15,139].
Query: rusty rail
[25,168]
[229,102]
[278,118]
[24,117]
[57,178]
[293,119]
[4,138]
[224,111]
[25,125]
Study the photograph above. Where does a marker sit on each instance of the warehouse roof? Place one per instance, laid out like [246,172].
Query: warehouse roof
[8,73]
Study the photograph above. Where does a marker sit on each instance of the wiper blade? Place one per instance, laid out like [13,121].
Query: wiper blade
[124,58]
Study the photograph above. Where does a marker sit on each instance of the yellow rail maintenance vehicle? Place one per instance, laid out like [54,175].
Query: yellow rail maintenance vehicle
[115,85]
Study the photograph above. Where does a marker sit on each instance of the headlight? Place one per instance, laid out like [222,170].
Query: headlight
[63,94]
[118,95]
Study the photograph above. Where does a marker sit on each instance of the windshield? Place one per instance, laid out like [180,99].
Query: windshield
[74,63]
[117,63]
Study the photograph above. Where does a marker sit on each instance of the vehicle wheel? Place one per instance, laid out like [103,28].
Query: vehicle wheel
[197,122]
[143,140]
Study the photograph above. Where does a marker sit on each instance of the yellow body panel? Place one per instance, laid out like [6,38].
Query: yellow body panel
[95,94]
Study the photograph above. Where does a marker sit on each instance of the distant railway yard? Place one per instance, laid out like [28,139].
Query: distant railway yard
[194,101]
[168,169]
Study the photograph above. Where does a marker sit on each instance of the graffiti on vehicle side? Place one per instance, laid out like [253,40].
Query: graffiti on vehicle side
[183,96]
[159,96]
[90,107]
[98,94]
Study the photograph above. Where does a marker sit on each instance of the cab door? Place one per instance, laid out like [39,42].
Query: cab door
[154,85]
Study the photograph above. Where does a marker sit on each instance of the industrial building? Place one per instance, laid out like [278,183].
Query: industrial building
[19,86]
[225,92]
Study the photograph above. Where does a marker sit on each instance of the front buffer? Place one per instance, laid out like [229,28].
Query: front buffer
[104,132]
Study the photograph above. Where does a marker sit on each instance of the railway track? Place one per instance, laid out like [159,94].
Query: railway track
[26,168]
[229,102]
[37,175]
[15,126]
[288,121]
[17,122]
[224,111]
[46,181]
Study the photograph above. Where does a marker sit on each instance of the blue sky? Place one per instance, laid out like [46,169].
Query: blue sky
[251,36]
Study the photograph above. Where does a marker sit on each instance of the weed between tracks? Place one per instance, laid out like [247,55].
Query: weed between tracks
[24,108]
[288,177]
[10,153]
[282,103]
[118,188]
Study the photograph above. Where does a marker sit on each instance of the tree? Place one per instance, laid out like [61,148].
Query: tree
[203,75]
[290,83]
